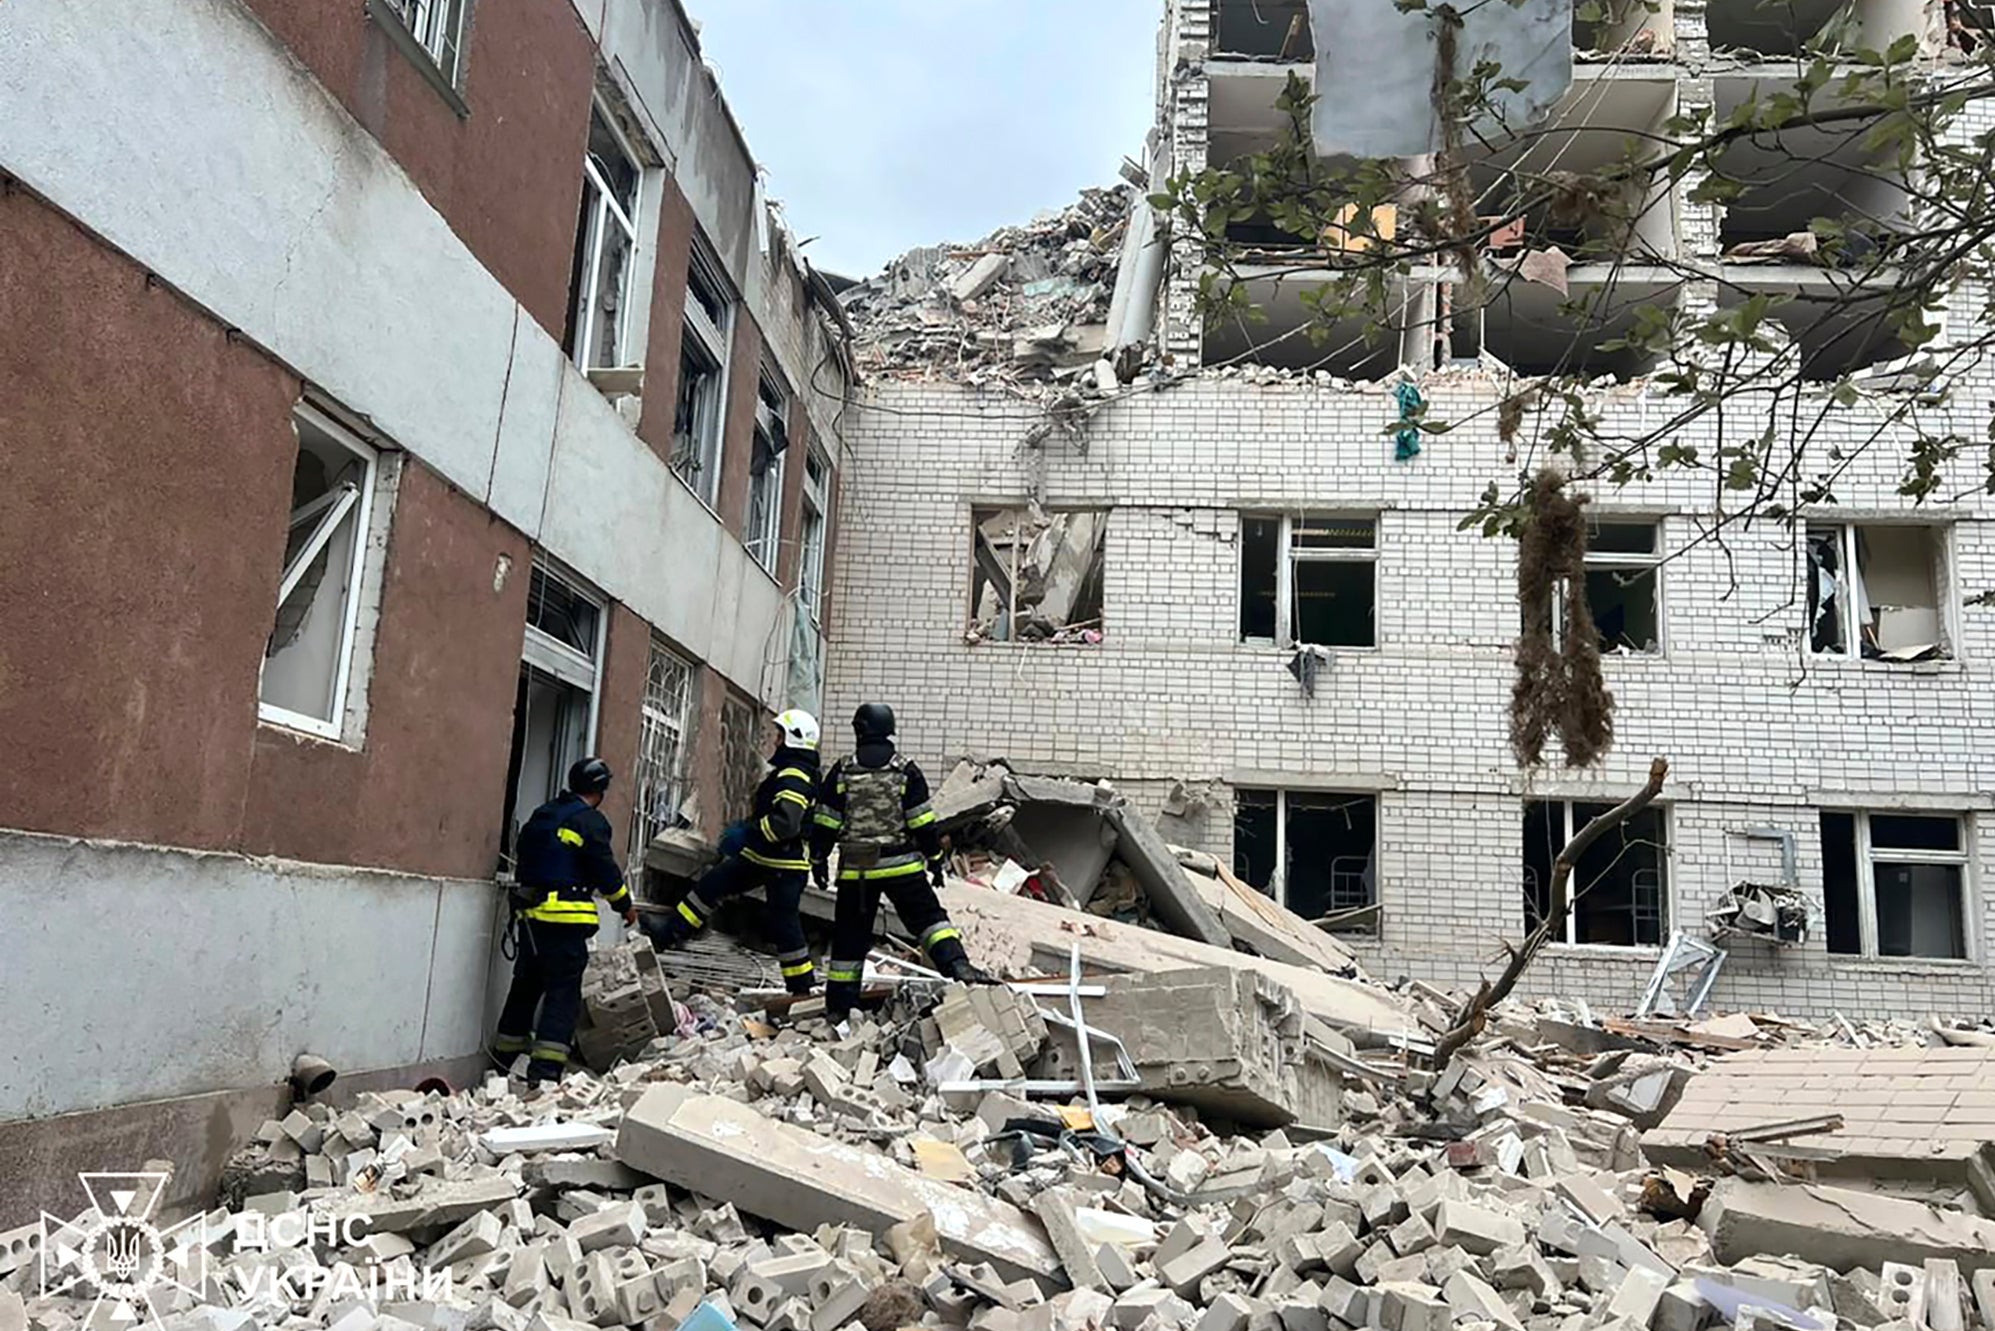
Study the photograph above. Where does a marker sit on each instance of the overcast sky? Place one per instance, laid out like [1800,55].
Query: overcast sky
[887,124]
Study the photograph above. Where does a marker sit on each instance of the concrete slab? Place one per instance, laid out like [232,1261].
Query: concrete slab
[796,1178]
[1839,1227]
[1172,897]
[1269,928]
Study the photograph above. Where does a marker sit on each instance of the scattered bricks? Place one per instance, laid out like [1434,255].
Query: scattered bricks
[592,1290]
[1181,1238]
[1983,1284]
[1598,1204]
[1442,1263]
[1945,1295]
[1372,1260]
[1474,1229]
[991,1317]
[838,1307]
[1471,1299]
[1302,1310]
[1382,1206]
[1405,1306]
[1115,1268]
[637,1300]
[1228,1312]
[1521,1266]
[1560,1231]
[1641,1290]
[1404,1270]
[791,1315]
[793,1275]
[753,1297]
[1055,1209]
[1600,1275]
[595,1175]
[1343,1301]
[1682,1308]
[1132,1310]
[526,1275]
[1902,1294]
[1340,1248]
[474,1238]
[1183,1272]
[953,1304]
[620,1226]
[1411,1235]
[380,1249]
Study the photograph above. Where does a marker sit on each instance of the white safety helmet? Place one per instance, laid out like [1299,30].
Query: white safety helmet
[799,729]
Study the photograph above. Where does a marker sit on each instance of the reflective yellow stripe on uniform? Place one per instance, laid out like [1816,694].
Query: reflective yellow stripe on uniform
[797,772]
[768,832]
[557,909]
[793,797]
[775,861]
[939,933]
[617,895]
[884,871]
[922,819]
[845,972]
[568,836]
[801,968]
[826,818]
[690,916]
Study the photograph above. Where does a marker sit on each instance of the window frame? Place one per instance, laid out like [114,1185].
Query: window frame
[1609,561]
[653,717]
[1288,554]
[1869,855]
[1666,922]
[1277,889]
[714,340]
[815,522]
[361,512]
[1022,512]
[551,656]
[1940,537]
[426,48]
[764,541]
[607,209]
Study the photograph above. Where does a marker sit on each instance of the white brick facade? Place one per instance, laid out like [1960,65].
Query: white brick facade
[1757,733]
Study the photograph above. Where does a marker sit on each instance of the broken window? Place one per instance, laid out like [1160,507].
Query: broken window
[696,424]
[554,712]
[1895,884]
[308,659]
[1036,576]
[1263,30]
[741,757]
[1623,27]
[817,505]
[605,249]
[1309,579]
[1619,887]
[664,751]
[1878,587]
[1315,852]
[1798,27]
[1623,585]
[438,27]
[764,532]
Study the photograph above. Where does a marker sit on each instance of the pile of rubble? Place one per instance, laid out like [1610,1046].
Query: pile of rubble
[1191,1148]
[1027,305]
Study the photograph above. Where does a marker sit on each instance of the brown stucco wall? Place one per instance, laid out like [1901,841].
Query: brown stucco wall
[744,377]
[668,320]
[507,178]
[148,471]
[425,791]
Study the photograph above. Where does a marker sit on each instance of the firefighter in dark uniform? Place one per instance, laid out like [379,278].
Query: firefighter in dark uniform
[768,851]
[564,861]
[874,807]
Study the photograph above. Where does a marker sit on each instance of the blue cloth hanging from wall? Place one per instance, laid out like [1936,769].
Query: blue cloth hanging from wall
[1407,439]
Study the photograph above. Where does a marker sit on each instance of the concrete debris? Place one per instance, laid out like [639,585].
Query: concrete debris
[1288,1160]
[1027,307]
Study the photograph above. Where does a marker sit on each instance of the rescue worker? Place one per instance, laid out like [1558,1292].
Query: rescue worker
[874,807]
[768,851]
[565,859]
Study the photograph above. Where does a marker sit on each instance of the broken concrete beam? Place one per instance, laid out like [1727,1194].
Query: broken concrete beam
[1227,1041]
[1983,1284]
[1643,1091]
[796,1178]
[1839,1227]
[1945,1296]
[1270,929]
[547,1137]
[1173,899]
[1183,1272]
[436,1205]
[1056,1210]
[980,277]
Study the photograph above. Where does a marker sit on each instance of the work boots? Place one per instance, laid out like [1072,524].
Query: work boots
[953,961]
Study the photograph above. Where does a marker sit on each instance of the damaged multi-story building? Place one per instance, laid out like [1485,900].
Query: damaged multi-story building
[1104,536]
[400,400]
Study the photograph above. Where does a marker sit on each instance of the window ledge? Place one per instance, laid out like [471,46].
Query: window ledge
[981,644]
[698,498]
[405,41]
[266,720]
[1646,953]
[1951,665]
[1907,965]
[1276,648]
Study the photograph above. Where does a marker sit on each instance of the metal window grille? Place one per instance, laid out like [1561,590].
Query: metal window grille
[663,750]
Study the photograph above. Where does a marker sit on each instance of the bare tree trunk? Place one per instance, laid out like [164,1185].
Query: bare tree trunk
[1475,1012]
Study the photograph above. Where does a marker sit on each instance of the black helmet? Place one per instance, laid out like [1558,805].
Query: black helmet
[873,720]
[591,776]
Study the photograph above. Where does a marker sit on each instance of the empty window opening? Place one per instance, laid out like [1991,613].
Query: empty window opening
[1623,585]
[1263,30]
[1619,888]
[1627,28]
[1309,579]
[1037,577]
[1797,27]
[1833,336]
[1784,179]
[605,249]
[308,660]
[817,505]
[697,421]
[1895,885]
[1315,852]
[764,530]
[438,27]
[554,712]
[664,752]
[1879,588]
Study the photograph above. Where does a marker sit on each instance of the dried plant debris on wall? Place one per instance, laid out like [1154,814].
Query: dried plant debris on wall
[1559,690]
[1037,576]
